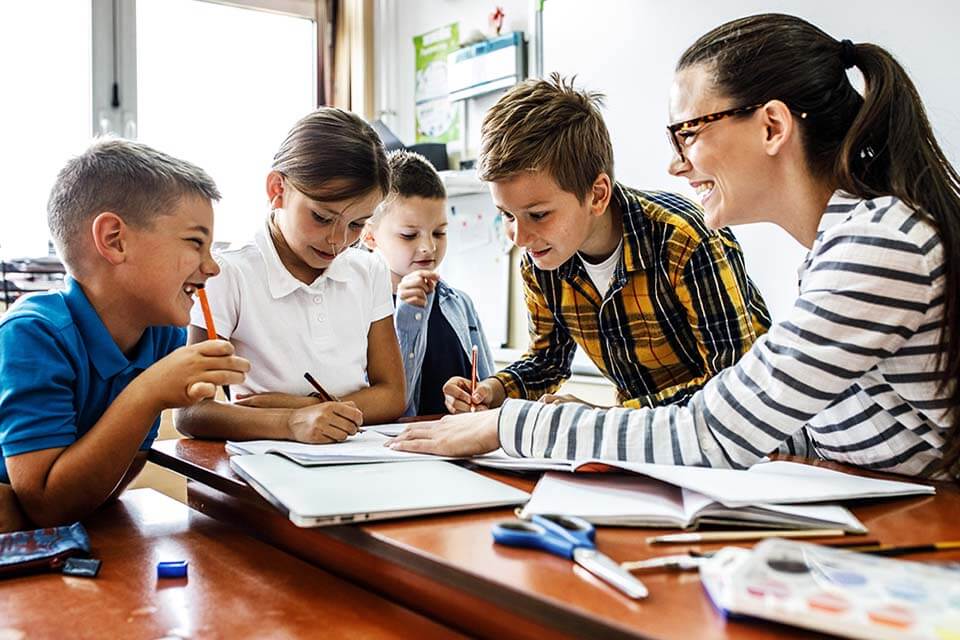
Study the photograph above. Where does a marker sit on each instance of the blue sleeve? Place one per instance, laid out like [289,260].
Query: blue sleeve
[37,399]
[410,322]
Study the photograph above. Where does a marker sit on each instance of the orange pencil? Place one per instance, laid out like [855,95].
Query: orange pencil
[473,376]
[208,320]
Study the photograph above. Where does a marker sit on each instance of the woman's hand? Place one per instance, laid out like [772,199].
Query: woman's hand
[466,434]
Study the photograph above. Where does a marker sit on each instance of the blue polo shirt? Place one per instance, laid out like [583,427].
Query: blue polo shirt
[60,369]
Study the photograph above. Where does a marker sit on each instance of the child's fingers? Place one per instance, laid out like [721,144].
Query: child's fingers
[349,413]
[228,363]
[456,406]
[200,391]
[214,348]
[343,427]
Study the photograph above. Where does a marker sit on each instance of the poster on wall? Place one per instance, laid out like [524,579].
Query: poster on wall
[437,119]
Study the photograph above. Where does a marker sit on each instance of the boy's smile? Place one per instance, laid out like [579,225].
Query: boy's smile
[550,224]
[168,261]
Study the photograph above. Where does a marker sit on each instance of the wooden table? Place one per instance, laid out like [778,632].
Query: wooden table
[237,587]
[448,568]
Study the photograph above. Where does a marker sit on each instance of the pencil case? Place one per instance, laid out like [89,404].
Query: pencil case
[41,549]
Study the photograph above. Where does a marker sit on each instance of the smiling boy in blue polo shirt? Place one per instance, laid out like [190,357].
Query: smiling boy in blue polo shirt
[86,371]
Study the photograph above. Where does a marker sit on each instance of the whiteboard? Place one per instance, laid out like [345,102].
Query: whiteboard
[628,50]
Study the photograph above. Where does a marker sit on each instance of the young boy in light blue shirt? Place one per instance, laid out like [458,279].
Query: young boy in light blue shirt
[436,324]
[86,371]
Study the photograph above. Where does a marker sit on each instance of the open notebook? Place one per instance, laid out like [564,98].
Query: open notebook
[634,501]
[367,447]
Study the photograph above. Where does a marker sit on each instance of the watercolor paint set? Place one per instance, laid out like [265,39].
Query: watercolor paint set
[852,595]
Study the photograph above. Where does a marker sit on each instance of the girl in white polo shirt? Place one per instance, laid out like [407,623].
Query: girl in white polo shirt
[301,299]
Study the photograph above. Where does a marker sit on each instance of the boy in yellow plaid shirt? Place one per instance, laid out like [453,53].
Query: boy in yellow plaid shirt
[658,301]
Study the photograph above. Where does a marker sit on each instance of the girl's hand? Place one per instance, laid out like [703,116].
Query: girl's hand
[274,400]
[325,422]
[416,286]
[463,435]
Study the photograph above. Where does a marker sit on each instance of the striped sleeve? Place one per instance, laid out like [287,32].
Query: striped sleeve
[866,292]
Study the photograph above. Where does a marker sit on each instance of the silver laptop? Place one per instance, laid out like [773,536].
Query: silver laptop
[320,496]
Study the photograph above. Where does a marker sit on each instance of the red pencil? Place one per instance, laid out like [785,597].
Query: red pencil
[208,320]
[473,376]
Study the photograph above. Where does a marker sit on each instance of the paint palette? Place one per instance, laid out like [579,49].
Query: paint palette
[853,595]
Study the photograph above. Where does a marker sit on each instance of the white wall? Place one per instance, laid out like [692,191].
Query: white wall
[398,21]
[629,48]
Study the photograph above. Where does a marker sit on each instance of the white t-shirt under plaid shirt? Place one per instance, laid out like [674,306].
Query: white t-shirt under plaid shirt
[853,369]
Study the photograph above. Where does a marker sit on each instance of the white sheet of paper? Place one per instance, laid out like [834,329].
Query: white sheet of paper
[777,482]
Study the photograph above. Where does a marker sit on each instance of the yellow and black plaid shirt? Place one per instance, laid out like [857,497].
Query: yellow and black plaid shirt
[680,308]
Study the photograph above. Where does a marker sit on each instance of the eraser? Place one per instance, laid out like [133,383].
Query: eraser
[83,567]
[176,569]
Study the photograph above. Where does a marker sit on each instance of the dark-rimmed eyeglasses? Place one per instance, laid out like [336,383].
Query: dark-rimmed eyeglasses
[676,131]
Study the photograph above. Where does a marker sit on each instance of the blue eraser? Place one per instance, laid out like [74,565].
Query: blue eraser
[177,569]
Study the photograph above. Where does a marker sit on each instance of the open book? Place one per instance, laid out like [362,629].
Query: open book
[367,447]
[766,483]
[635,501]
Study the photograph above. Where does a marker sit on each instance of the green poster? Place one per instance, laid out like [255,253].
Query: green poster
[437,119]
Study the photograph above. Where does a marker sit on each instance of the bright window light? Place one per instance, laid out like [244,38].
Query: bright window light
[45,74]
[220,86]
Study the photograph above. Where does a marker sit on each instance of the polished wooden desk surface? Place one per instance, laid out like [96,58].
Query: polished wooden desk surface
[237,587]
[447,566]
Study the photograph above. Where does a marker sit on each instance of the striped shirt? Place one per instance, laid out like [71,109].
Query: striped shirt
[853,370]
[680,308]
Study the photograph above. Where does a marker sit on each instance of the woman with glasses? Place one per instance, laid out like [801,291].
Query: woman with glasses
[769,128]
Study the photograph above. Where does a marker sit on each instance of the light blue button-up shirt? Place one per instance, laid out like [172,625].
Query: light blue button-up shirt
[411,323]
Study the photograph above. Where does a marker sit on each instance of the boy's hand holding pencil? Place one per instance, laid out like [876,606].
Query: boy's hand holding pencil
[211,329]
[193,373]
[461,395]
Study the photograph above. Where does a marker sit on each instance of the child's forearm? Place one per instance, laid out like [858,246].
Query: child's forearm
[59,486]
[379,403]
[222,421]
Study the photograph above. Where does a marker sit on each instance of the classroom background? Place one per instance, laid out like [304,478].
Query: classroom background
[219,82]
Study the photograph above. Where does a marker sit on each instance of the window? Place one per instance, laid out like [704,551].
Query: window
[46,111]
[214,84]
[220,86]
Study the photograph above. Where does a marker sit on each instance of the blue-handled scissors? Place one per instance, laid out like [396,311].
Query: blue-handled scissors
[572,538]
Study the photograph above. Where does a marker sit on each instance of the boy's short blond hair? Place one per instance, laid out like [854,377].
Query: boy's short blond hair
[137,182]
[547,125]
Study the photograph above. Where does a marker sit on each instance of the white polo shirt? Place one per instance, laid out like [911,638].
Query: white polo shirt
[285,327]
